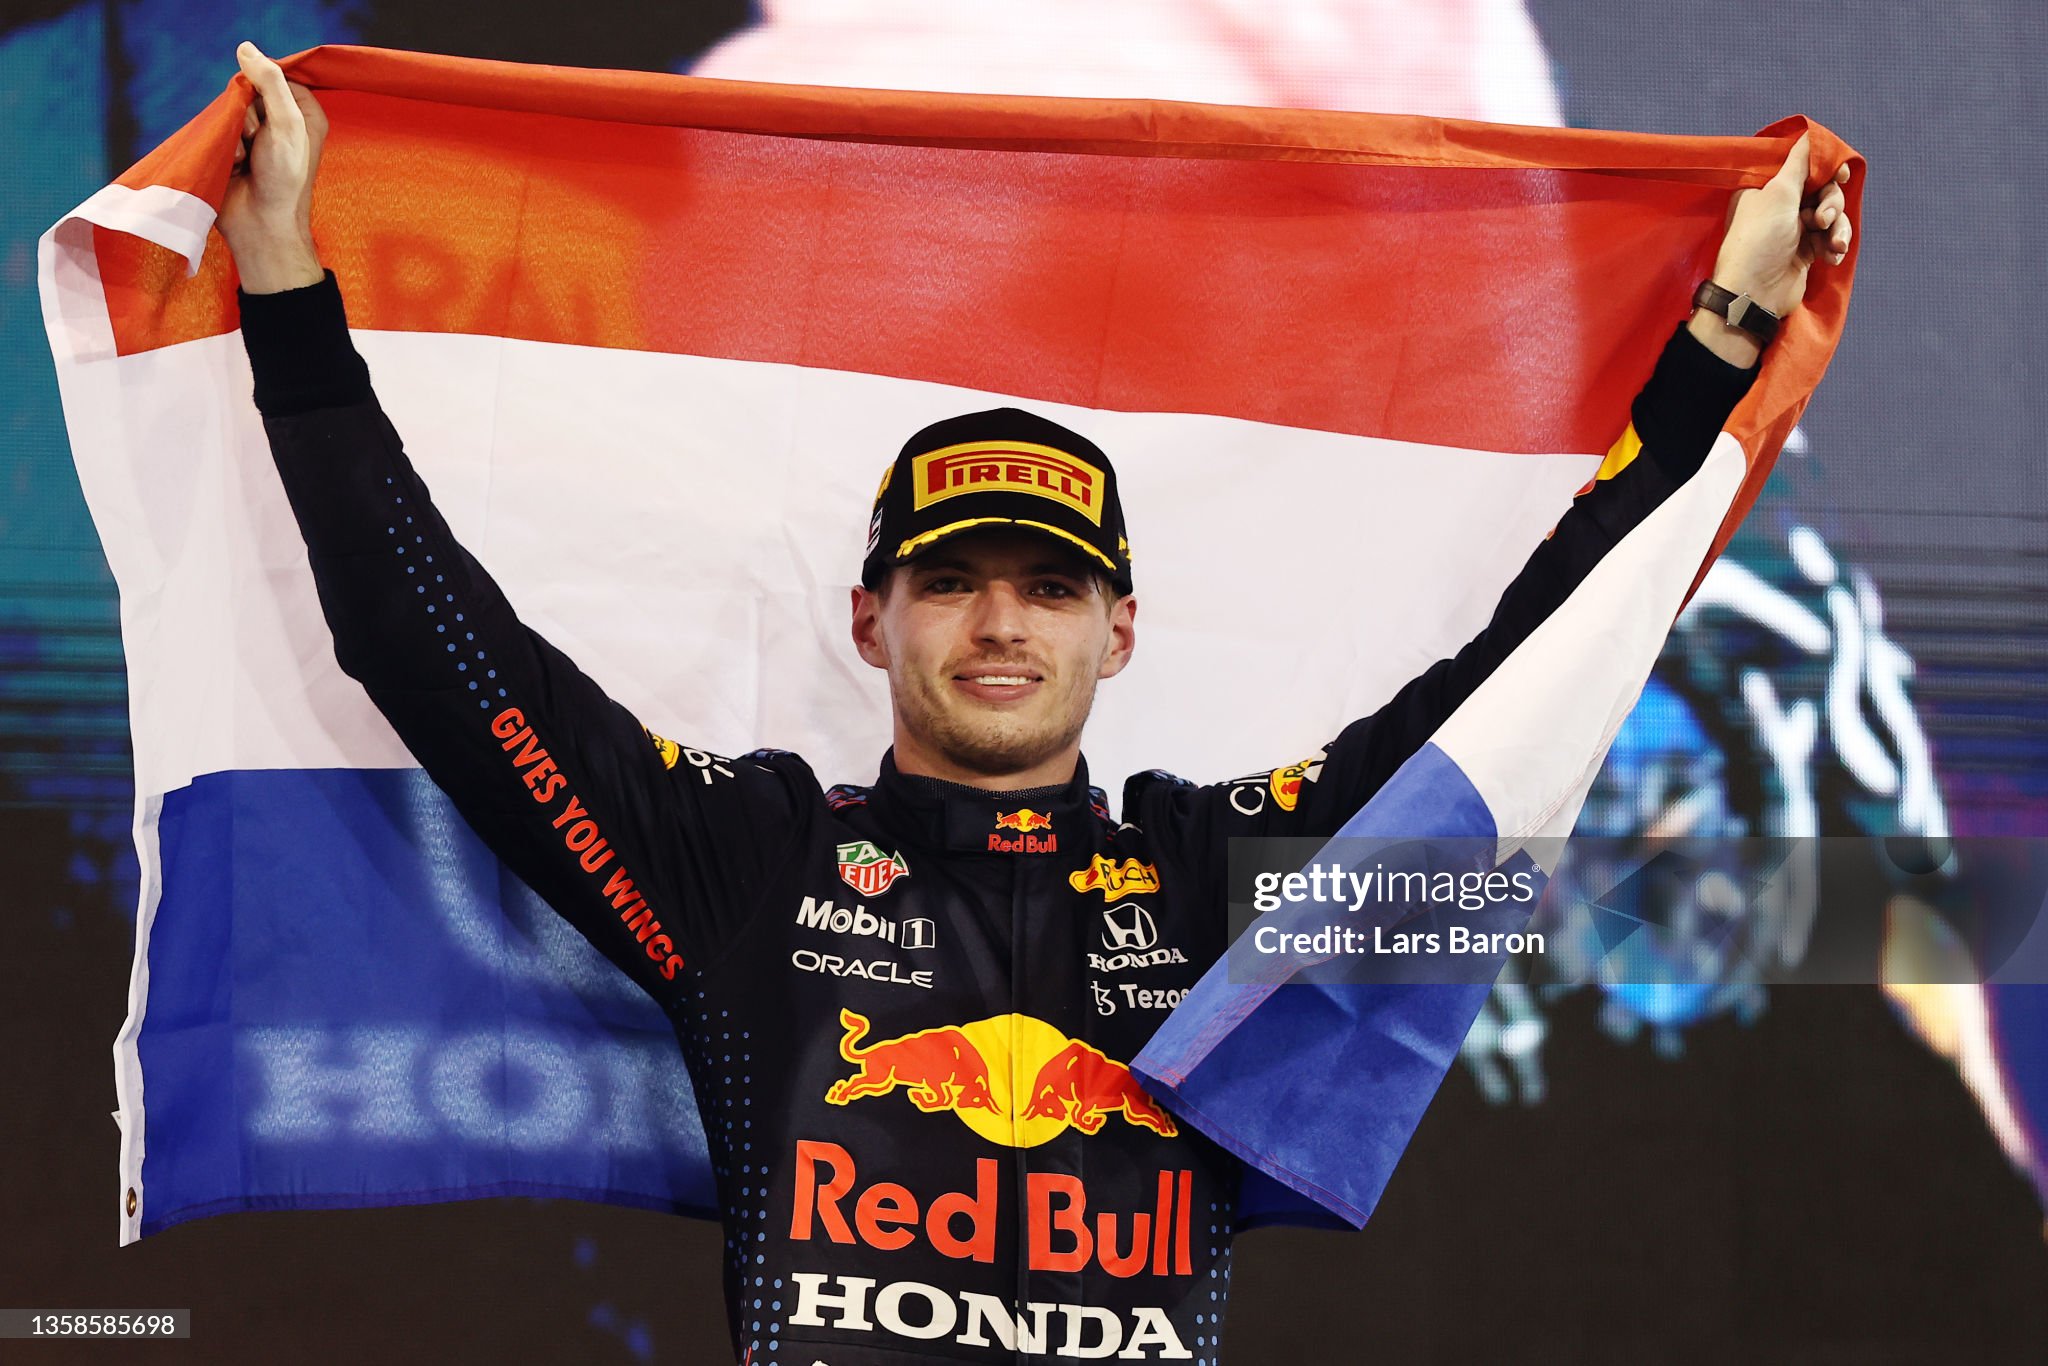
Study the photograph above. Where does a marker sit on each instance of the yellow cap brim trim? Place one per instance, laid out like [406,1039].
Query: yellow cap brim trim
[917,543]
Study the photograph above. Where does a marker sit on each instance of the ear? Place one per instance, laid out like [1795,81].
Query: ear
[867,627]
[1123,637]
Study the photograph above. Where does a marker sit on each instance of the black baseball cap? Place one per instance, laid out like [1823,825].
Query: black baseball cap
[1003,465]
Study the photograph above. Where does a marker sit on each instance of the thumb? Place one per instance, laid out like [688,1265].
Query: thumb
[251,59]
[1793,173]
[268,77]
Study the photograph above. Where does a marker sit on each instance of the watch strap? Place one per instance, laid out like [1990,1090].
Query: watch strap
[1739,311]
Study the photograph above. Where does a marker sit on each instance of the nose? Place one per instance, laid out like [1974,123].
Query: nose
[1000,613]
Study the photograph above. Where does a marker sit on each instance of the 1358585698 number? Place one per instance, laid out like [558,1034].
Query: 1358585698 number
[95,1323]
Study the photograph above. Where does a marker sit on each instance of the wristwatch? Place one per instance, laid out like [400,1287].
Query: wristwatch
[1742,312]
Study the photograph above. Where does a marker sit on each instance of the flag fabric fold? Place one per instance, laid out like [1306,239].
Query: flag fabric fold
[651,339]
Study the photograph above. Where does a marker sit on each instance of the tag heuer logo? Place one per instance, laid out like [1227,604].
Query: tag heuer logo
[868,870]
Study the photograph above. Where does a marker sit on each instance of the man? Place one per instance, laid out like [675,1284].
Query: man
[904,1007]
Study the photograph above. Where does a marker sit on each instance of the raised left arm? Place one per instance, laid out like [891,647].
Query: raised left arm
[1771,241]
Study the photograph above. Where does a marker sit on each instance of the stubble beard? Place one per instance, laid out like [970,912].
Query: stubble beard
[989,742]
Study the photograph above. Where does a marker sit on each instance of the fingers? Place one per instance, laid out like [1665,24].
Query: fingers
[1826,209]
[1827,236]
[1827,230]
[1830,243]
[1830,217]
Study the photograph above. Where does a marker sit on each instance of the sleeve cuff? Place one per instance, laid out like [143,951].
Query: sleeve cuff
[300,352]
[1686,403]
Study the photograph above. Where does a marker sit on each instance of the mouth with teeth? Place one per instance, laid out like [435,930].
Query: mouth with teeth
[998,685]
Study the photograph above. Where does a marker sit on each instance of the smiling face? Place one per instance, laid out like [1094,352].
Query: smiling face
[993,641]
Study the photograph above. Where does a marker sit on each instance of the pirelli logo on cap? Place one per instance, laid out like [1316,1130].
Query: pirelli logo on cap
[1007,467]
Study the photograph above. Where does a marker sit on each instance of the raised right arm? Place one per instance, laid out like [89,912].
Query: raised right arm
[655,856]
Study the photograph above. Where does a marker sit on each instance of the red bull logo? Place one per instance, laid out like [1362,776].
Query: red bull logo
[1026,823]
[974,1069]
[1023,821]
[1083,1086]
[1062,1232]
[940,1068]
[1113,879]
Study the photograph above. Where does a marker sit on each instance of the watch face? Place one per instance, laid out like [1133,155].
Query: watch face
[1752,317]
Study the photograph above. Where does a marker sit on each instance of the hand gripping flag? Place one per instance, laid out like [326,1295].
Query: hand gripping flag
[651,339]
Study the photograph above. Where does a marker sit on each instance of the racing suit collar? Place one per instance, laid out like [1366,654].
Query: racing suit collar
[1024,822]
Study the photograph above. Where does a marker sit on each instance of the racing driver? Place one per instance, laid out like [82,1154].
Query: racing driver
[948,1159]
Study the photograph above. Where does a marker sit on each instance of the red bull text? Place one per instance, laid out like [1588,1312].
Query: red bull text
[1025,822]
[1060,1234]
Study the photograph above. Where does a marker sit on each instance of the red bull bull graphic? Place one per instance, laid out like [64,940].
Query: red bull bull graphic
[1023,821]
[1026,823]
[1013,1079]
[941,1069]
[1083,1086]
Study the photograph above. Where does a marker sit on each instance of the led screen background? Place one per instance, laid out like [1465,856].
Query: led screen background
[1827,1166]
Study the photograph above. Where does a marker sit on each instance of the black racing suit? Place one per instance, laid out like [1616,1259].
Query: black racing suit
[906,1008]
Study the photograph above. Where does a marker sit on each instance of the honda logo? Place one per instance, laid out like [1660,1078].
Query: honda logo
[1128,928]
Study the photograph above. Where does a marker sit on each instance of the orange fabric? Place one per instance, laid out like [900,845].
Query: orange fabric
[1430,280]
